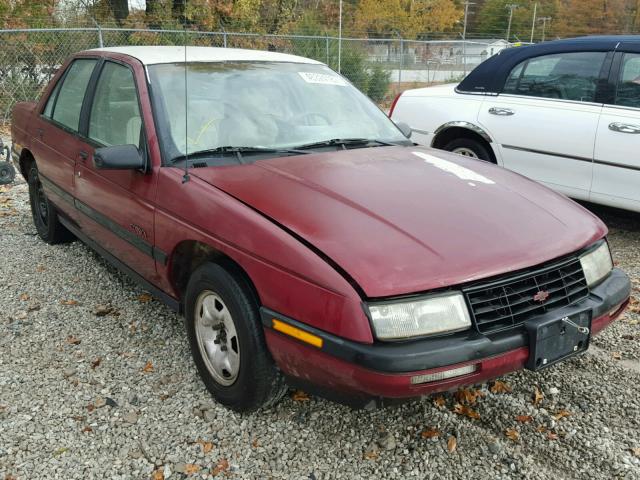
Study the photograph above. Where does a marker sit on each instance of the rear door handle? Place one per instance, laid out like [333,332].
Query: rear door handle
[624,128]
[504,112]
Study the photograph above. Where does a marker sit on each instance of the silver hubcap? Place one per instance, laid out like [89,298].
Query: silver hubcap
[217,338]
[465,152]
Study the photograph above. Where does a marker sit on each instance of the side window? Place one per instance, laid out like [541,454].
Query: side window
[66,109]
[48,109]
[566,76]
[628,91]
[115,113]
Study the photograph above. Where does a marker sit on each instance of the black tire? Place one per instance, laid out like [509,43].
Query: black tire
[45,216]
[469,144]
[257,383]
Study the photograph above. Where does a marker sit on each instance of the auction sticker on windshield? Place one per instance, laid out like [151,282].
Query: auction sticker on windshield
[323,78]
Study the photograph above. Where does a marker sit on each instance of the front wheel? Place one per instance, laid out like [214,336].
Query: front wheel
[469,147]
[227,340]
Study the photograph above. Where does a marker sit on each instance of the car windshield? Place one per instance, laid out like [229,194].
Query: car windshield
[269,105]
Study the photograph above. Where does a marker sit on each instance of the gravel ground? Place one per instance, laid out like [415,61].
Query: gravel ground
[96,381]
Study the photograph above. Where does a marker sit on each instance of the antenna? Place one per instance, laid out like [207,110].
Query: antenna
[185,177]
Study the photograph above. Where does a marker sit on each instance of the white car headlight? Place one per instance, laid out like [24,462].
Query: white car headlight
[597,264]
[435,314]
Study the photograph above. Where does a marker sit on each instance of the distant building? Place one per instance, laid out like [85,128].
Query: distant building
[440,51]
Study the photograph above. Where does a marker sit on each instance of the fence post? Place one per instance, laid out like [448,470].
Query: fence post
[100,42]
[401,61]
[327,47]
[224,38]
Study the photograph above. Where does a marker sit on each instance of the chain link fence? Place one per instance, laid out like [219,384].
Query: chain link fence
[379,67]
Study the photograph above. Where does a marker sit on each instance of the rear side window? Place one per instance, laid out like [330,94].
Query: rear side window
[628,91]
[67,106]
[48,109]
[115,113]
[566,76]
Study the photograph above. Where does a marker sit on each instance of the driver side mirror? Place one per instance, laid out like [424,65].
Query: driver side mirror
[119,157]
[404,128]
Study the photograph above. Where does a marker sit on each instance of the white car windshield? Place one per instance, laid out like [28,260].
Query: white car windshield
[266,105]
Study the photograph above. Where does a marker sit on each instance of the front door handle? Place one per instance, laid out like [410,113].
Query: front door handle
[624,127]
[504,112]
[83,155]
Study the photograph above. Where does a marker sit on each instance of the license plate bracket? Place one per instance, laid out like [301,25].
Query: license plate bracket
[555,339]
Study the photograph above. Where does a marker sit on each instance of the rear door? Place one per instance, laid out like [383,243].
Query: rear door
[117,205]
[56,143]
[546,117]
[616,171]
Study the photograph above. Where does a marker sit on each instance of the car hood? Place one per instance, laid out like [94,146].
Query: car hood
[401,220]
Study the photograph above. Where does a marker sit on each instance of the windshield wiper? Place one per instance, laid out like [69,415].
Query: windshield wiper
[238,151]
[347,142]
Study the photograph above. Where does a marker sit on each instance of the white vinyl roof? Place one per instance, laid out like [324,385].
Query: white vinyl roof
[176,54]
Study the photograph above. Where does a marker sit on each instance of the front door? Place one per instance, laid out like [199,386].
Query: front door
[616,170]
[544,121]
[117,205]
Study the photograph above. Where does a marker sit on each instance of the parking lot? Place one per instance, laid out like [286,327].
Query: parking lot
[96,381]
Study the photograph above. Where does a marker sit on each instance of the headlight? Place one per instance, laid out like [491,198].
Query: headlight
[597,264]
[436,314]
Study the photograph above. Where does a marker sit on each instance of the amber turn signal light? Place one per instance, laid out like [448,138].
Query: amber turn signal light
[297,333]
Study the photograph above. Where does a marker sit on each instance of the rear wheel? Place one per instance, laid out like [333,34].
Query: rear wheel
[227,340]
[45,217]
[469,147]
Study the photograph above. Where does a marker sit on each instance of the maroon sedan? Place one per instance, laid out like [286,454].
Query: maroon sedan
[304,237]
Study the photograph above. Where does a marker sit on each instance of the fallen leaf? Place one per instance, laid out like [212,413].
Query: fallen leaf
[71,340]
[537,396]
[221,466]
[91,407]
[144,298]
[524,418]
[206,446]
[158,474]
[541,428]
[148,367]
[371,454]
[102,310]
[431,433]
[628,337]
[468,395]
[562,414]
[465,411]
[191,469]
[439,401]
[87,429]
[255,443]
[512,434]
[96,363]
[617,355]
[500,387]
[40,269]
[68,302]
[552,436]
[300,396]
[8,476]
[636,451]
[24,297]
[452,444]
[60,451]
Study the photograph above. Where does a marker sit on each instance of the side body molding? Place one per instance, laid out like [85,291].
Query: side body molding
[461,124]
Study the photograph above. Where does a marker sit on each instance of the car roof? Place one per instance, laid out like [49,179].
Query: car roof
[151,55]
[490,75]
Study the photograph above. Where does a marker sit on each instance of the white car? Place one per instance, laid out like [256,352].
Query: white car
[564,113]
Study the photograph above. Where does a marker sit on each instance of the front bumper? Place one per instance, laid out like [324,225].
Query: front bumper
[386,369]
